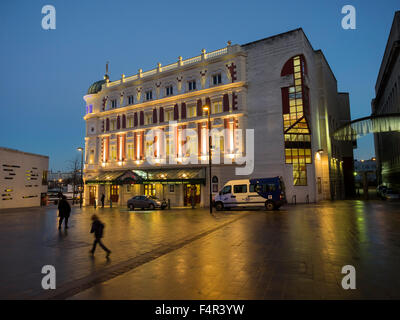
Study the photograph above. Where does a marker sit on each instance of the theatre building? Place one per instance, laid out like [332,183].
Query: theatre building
[278,88]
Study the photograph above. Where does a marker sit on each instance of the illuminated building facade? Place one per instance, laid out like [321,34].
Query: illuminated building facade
[280,87]
[386,102]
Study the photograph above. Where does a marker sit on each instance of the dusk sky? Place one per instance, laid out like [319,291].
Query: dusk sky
[46,73]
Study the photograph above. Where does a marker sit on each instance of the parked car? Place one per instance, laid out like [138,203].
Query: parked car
[53,196]
[380,190]
[148,202]
[265,192]
[390,194]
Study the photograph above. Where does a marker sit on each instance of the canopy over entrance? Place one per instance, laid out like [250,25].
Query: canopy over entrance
[164,176]
[372,124]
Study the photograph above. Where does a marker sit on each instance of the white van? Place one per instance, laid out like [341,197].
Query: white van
[263,192]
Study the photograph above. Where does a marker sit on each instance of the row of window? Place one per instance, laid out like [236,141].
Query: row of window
[160,115]
[169,91]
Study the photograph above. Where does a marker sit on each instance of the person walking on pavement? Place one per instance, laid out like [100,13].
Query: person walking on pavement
[97,229]
[64,209]
[102,200]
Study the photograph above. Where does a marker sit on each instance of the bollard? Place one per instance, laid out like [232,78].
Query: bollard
[294,199]
[95,203]
[110,203]
[307,199]
[169,204]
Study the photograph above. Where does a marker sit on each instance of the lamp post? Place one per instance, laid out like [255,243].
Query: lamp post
[81,189]
[207,108]
[60,184]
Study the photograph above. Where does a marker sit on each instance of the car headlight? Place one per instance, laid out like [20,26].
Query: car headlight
[158,203]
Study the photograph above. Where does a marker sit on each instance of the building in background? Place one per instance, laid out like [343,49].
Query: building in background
[367,168]
[23,179]
[279,86]
[386,102]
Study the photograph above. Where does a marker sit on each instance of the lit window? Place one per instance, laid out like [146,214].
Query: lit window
[169,115]
[131,151]
[150,189]
[169,91]
[192,85]
[113,125]
[148,119]
[113,153]
[216,107]
[130,122]
[91,157]
[192,111]
[149,95]
[216,79]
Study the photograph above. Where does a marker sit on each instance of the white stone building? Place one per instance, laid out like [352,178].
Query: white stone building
[279,86]
[23,179]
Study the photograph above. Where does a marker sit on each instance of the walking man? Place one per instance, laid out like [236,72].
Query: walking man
[102,200]
[64,209]
[97,229]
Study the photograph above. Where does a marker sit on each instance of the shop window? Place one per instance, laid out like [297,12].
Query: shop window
[150,189]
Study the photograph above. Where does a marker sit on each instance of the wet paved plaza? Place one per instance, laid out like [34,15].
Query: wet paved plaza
[294,253]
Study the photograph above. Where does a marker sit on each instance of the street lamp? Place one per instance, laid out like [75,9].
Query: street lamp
[207,108]
[60,184]
[81,189]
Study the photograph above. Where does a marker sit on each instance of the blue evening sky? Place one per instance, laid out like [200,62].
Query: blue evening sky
[45,74]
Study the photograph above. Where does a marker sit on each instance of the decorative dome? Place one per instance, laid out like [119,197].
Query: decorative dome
[96,87]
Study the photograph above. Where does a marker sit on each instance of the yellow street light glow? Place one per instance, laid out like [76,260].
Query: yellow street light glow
[206,108]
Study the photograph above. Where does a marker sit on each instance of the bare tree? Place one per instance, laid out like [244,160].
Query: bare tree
[75,166]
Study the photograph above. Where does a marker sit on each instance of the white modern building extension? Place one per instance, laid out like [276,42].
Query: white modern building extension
[23,178]
[278,90]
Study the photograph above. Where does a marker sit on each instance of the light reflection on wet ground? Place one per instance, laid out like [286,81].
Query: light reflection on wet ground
[294,253]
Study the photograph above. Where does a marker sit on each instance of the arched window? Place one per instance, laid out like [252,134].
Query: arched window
[107,124]
[123,121]
[118,122]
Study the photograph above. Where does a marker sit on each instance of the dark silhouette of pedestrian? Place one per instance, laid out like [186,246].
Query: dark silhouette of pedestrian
[97,229]
[102,200]
[64,210]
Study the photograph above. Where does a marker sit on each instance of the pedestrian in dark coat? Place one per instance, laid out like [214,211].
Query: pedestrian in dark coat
[97,229]
[102,200]
[64,210]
